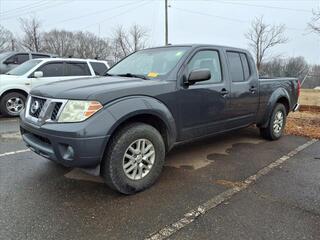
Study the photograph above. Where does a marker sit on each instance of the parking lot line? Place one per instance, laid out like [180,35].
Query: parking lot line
[190,216]
[15,152]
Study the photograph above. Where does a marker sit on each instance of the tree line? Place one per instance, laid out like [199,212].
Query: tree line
[79,44]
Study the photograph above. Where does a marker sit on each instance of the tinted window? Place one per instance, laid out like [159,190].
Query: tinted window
[39,56]
[99,68]
[19,58]
[52,69]
[77,69]
[236,69]
[245,65]
[207,59]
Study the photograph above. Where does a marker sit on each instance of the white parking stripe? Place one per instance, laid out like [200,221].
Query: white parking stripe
[15,152]
[189,217]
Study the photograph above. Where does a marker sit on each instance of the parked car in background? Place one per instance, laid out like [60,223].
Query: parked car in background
[10,60]
[121,126]
[15,85]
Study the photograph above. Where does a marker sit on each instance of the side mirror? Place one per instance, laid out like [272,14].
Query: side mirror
[199,75]
[38,74]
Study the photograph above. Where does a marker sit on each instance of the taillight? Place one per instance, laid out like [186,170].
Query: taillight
[299,88]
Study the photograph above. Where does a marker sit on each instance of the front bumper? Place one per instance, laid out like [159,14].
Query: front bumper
[70,144]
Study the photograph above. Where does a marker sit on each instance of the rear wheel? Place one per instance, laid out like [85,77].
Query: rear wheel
[12,104]
[277,123]
[134,159]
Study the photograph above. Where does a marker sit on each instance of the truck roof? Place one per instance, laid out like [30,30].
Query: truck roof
[197,45]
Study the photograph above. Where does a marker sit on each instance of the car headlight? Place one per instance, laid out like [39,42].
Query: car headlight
[77,111]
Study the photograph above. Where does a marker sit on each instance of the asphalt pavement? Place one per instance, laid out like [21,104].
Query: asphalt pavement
[241,186]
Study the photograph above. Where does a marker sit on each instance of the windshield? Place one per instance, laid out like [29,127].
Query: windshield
[151,63]
[23,68]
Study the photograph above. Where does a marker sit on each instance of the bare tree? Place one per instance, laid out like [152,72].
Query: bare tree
[6,39]
[88,45]
[59,42]
[314,25]
[32,33]
[262,37]
[125,41]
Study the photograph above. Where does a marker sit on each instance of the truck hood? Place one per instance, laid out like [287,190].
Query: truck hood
[102,89]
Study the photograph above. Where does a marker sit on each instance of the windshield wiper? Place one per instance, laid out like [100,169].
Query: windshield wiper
[132,75]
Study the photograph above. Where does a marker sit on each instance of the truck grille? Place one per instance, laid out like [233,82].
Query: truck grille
[40,110]
[55,111]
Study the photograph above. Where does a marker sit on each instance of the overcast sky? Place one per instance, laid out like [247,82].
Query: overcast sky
[192,21]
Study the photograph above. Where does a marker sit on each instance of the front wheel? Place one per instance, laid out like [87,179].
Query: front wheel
[134,158]
[276,124]
[12,104]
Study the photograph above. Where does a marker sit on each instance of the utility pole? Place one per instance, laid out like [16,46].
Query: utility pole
[12,45]
[166,22]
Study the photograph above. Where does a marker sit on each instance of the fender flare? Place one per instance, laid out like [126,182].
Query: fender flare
[125,108]
[273,99]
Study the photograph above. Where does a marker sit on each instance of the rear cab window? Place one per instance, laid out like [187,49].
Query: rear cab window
[98,68]
[77,69]
[239,66]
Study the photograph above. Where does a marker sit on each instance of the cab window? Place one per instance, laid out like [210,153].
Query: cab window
[207,59]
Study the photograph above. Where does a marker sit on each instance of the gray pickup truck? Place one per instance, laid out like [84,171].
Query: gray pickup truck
[122,125]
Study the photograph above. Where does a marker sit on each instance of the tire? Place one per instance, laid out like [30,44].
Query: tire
[116,161]
[12,104]
[276,124]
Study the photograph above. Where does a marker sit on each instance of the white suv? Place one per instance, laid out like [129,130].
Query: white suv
[16,84]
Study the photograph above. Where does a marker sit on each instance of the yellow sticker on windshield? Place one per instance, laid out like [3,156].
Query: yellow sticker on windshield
[153,74]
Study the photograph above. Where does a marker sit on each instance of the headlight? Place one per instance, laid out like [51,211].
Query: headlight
[77,111]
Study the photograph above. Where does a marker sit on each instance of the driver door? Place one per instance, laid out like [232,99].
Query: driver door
[203,106]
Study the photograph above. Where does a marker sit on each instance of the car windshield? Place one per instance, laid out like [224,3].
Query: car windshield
[149,63]
[23,68]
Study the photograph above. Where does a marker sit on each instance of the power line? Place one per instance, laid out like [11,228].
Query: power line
[23,7]
[38,9]
[264,6]
[143,2]
[93,13]
[226,18]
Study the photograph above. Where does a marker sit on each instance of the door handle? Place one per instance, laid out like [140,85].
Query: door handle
[27,83]
[224,92]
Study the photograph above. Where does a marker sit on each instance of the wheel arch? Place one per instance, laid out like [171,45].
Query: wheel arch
[146,110]
[279,96]
[18,90]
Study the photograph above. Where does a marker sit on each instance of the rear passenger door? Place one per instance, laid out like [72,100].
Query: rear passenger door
[244,98]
